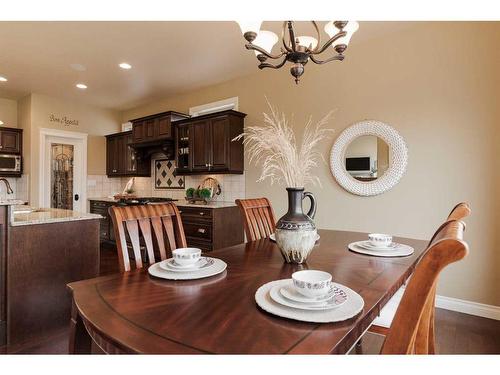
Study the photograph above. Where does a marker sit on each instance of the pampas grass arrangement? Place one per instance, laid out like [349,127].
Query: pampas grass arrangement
[283,160]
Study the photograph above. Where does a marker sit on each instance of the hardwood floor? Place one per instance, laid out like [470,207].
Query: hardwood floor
[456,333]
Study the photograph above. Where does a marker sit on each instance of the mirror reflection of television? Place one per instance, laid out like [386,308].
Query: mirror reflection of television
[358,166]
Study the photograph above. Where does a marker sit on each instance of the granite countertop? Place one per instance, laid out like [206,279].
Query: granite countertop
[11,202]
[49,215]
[180,203]
[213,204]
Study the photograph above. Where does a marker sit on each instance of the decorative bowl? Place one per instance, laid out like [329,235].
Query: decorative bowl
[311,283]
[380,240]
[186,256]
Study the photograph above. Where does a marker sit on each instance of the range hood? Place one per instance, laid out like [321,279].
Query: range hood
[161,146]
[154,134]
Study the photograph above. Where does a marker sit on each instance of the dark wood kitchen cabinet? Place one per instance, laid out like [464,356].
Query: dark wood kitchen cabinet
[121,158]
[106,232]
[211,228]
[155,127]
[11,140]
[204,144]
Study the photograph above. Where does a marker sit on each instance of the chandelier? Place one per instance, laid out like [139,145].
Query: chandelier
[297,49]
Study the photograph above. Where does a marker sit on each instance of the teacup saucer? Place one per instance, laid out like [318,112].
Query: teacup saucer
[367,245]
[170,265]
[339,298]
[288,291]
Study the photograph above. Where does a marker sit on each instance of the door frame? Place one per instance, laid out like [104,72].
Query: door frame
[44,172]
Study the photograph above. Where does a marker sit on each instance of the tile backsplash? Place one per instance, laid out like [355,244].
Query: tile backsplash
[19,186]
[232,186]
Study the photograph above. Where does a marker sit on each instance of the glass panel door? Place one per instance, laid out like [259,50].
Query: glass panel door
[61,184]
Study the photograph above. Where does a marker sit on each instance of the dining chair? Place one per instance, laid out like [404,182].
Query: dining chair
[380,326]
[460,211]
[412,330]
[258,217]
[165,221]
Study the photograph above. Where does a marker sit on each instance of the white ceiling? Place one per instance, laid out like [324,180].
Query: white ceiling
[167,57]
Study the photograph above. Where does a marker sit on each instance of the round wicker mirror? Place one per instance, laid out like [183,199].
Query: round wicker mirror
[368,158]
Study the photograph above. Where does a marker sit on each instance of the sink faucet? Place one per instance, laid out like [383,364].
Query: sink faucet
[9,189]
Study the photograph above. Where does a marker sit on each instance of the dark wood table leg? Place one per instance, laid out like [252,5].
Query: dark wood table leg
[80,341]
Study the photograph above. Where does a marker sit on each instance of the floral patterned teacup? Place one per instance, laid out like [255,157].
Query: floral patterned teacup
[312,283]
[380,240]
[186,256]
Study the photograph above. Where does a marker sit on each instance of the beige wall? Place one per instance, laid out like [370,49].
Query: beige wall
[96,122]
[8,112]
[438,84]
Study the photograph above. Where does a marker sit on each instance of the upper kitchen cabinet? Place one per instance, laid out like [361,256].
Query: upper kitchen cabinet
[155,127]
[122,159]
[203,144]
[11,140]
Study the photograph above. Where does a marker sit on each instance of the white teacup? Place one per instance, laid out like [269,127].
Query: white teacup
[380,240]
[186,256]
[312,283]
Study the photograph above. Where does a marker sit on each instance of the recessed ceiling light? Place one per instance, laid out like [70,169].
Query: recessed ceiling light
[125,65]
[3,79]
[1,122]
[81,86]
[78,67]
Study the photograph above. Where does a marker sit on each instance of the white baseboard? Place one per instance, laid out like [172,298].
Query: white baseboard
[442,302]
[468,307]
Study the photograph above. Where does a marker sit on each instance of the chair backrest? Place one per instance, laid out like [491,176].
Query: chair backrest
[412,330]
[165,221]
[258,217]
[460,211]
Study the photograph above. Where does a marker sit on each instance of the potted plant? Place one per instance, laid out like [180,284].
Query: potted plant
[288,163]
[190,192]
[205,193]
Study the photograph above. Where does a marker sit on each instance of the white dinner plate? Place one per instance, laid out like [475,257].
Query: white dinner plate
[353,306]
[272,237]
[218,267]
[337,300]
[400,251]
[170,265]
[367,245]
[288,291]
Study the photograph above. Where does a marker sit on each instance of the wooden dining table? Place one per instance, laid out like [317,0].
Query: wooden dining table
[134,312]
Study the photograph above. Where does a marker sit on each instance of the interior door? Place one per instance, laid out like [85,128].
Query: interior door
[63,179]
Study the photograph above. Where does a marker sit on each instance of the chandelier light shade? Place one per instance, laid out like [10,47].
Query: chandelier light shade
[350,29]
[265,40]
[249,29]
[297,50]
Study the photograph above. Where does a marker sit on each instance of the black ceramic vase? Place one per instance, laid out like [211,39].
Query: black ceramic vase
[295,231]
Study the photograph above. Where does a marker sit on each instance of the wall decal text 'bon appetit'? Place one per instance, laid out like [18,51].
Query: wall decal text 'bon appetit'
[64,120]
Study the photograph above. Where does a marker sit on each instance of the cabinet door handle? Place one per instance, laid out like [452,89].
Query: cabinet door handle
[201,230]
[180,211]
[202,213]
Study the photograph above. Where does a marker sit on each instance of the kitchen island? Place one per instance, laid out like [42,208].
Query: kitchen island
[42,250]
[207,226]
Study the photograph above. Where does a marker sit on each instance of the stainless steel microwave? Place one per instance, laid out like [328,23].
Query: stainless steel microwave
[10,163]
